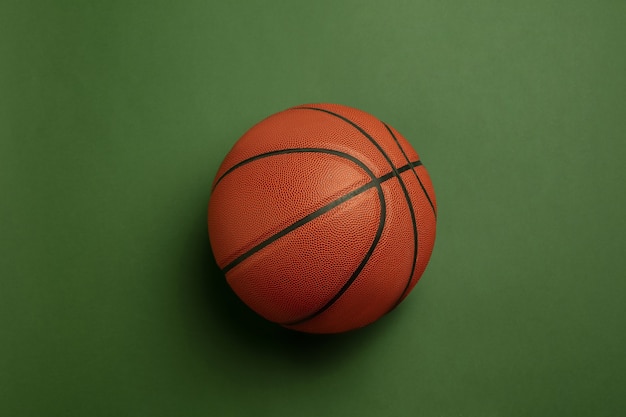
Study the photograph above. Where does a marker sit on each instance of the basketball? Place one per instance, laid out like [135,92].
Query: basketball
[322,218]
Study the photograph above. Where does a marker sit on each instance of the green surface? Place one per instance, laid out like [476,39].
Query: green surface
[114,117]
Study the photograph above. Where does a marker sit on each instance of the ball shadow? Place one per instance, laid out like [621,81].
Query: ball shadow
[216,308]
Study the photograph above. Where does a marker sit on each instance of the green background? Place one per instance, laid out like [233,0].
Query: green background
[115,115]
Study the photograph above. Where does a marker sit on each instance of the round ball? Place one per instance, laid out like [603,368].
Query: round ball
[322,218]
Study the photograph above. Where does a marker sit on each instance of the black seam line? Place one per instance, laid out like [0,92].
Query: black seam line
[379,233]
[283,152]
[413,221]
[375,182]
[366,258]
[400,170]
[407,197]
[357,127]
[414,172]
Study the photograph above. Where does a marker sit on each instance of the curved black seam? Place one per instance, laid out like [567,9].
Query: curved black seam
[357,127]
[355,274]
[414,171]
[415,231]
[373,183]
[380,148]
[286,151]
[404,190]
[376,182]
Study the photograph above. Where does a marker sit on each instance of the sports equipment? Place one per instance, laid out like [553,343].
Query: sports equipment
[322,218]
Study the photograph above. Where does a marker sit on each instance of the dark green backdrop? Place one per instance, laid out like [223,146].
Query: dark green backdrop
[114,116]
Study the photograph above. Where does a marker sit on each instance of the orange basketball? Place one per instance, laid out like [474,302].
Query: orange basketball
[322,218]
